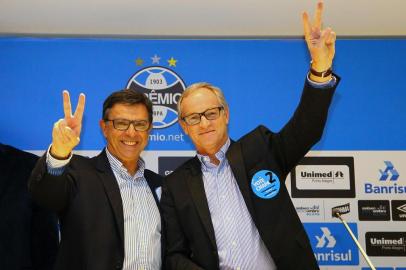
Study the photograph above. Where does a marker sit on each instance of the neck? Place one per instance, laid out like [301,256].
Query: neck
[214,160]
[131,167]
[211,153]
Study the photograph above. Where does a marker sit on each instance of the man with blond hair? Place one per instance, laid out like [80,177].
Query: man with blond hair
[228,207]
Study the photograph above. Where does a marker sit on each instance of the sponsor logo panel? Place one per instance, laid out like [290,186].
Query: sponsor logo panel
[373,210]
[399,210]
[324,177]
[386,244]
[340,210]
[384,268]
[309,211]
[332,244]
[378,268]
[388,181]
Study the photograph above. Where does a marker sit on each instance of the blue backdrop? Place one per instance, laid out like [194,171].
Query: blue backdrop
[262,81]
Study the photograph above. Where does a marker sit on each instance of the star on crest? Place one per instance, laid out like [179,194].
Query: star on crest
[139,61]
[172,62]
[155,59]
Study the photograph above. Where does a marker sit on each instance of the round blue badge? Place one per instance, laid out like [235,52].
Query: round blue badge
[265,184]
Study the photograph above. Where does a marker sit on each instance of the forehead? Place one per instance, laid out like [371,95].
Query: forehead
[130,112]
[199,101]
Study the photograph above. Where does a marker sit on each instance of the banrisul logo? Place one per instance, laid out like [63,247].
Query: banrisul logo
[388,181]
[164,88]
[389,173]
[331,243]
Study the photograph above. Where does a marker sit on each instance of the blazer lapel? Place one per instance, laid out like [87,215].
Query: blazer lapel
[112,190]
[196,187]
[235,159]
[153,185]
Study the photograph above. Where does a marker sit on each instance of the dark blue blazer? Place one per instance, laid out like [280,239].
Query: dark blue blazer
[28,233]
[191,242]
[88,202]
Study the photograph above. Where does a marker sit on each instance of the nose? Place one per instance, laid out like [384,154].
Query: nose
[204,122]
[131,129]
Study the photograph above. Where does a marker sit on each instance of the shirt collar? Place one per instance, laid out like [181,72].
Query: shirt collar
[220,155]
[118,167]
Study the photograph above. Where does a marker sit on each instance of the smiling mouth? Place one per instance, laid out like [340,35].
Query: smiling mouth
[129,143]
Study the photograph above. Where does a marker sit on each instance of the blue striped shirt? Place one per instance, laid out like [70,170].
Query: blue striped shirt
[238,242]
[142,221]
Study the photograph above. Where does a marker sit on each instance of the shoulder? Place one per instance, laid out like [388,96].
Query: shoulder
[189,167]
[16,155]
[79,162]
[256,136]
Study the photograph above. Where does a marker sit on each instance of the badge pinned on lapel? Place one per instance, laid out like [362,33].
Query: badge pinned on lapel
[265,184]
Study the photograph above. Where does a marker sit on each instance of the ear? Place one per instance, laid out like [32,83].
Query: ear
[227,114]
[184,126]
[103,127]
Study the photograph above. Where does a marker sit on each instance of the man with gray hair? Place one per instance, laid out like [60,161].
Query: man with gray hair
[107,205]
[228,207]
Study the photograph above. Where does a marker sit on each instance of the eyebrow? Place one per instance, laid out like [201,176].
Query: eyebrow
[212,107]
[120,118]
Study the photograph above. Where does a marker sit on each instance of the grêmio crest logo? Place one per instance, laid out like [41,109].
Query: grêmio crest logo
[163,87]
[388,182]
[331,243]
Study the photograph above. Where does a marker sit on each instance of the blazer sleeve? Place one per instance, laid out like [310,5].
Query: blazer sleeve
[305,127]
[177,252]
[44,238]
[52,192]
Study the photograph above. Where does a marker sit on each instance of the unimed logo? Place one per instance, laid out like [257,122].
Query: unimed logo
[323,177]
[387,182]
[392,244]
[331,243]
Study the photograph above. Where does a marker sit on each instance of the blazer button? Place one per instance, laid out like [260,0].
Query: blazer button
[38,178]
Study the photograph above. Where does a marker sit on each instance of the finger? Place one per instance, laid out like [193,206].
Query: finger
[306,25]
[331,39]
[325,34]
[318,15]
[62,140]
[331,45]
[68,133]
[70,136]
[63,131]
[67,108]
[56,126]
[57,136]
[80,107]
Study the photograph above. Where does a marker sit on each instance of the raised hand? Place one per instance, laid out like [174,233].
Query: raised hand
[321,43]
[66,131]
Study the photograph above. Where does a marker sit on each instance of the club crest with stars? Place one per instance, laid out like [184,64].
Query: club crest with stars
[162,86]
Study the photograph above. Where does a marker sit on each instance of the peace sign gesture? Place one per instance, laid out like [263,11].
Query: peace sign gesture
[66,131]
[321,43]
